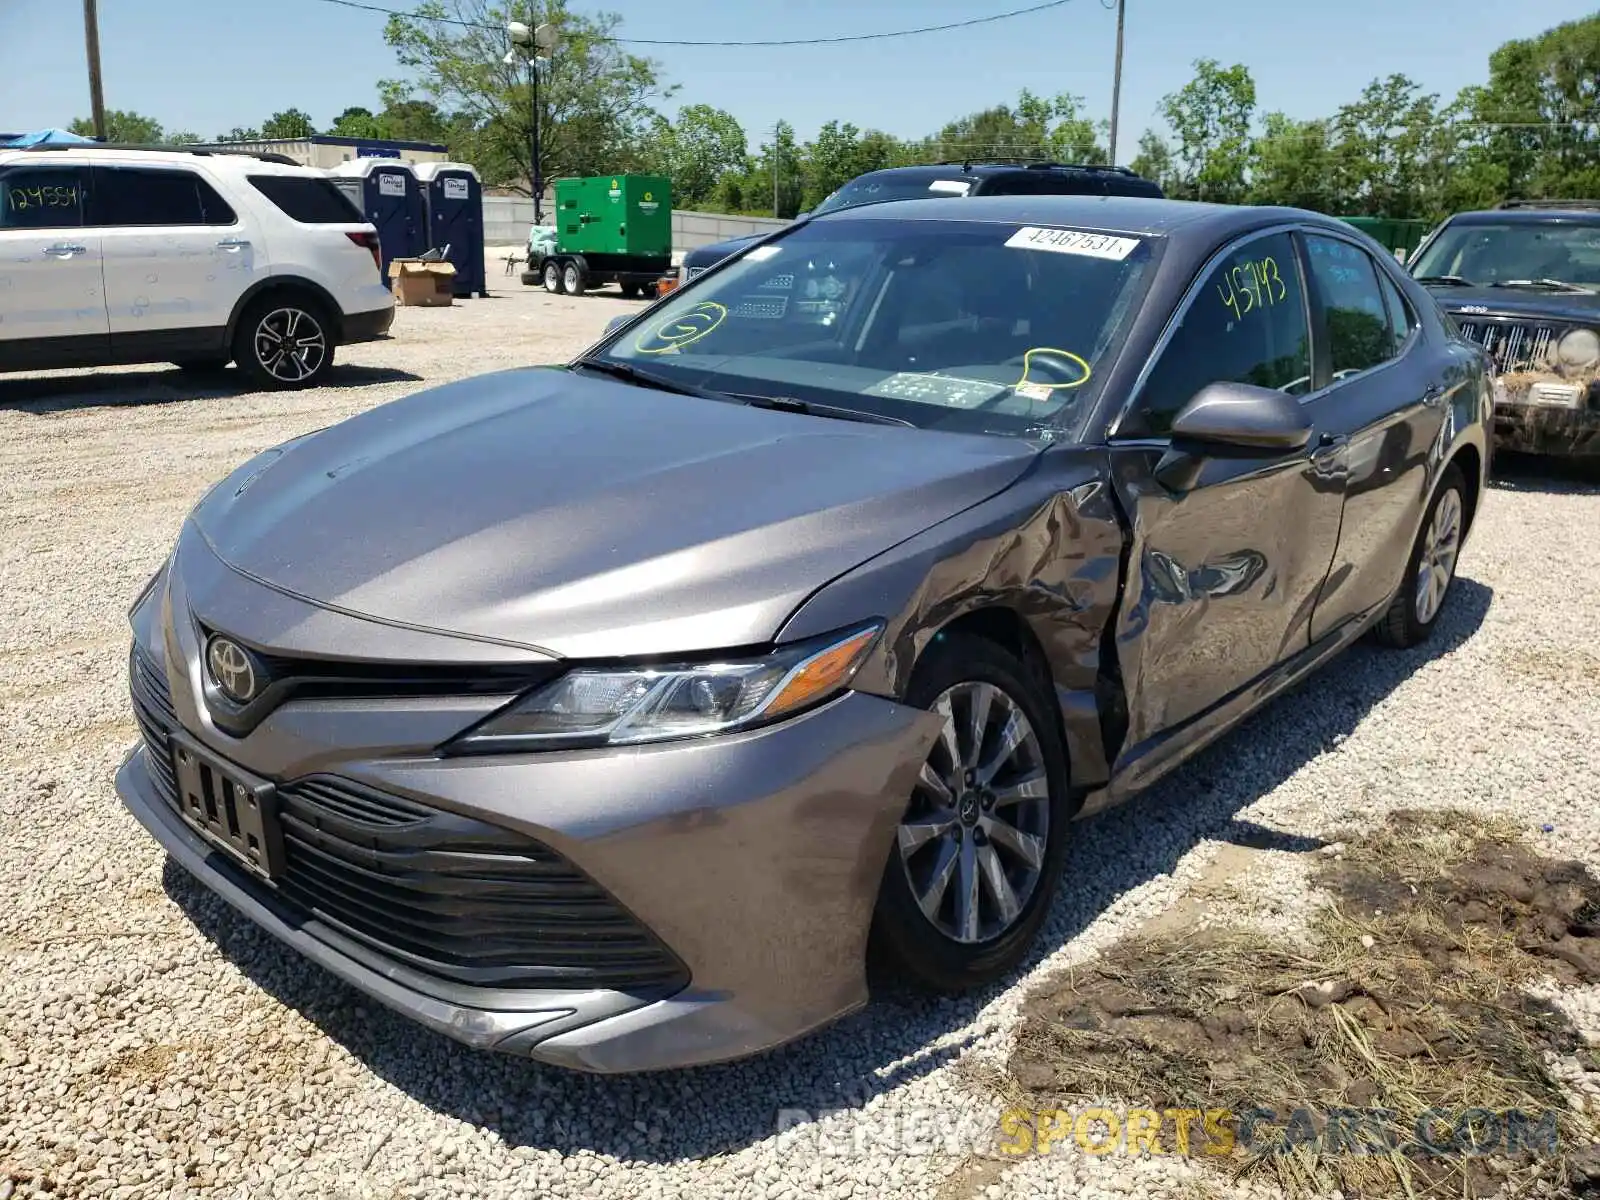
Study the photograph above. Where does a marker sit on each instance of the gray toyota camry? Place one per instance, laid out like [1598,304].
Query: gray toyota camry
[620,714]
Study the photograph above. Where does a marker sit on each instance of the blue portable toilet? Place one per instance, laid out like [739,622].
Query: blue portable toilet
[453,199]
[390,196]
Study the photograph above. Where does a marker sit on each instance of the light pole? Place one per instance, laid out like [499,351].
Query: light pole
[529,42]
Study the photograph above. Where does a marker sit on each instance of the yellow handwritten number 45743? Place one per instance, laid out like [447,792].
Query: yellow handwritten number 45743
[1252,285]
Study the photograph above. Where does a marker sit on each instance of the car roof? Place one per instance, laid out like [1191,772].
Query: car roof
[1142,215]
[238,160]
[1532,215]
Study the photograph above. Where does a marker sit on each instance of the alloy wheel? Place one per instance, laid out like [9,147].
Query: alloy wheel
[290,345]
[973,840]
[1436,565]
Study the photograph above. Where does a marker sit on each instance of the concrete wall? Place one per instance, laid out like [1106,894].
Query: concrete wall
[506,220]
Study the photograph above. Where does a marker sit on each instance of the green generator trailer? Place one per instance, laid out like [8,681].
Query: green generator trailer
[1399,236]
[610,229]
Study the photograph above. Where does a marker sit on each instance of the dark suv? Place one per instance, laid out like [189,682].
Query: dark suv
[1523,281]
[967,177]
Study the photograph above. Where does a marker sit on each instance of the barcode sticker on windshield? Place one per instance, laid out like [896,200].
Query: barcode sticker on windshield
[1072,241]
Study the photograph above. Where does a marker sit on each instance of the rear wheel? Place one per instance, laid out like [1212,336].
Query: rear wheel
[630,291]
[283,341]
[552,278]
[977,856]
[572,279]
[1431,567]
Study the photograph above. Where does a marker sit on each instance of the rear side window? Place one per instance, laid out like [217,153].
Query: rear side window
[1401,319]
[142,196]
[42,198]
[309,200]
[1359,336]
[1247,324]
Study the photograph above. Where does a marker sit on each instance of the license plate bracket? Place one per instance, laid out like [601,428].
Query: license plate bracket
[232,810]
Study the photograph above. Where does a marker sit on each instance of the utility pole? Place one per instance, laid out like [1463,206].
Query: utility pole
[1116,85]
[91,41]
[775,129]
[537,177]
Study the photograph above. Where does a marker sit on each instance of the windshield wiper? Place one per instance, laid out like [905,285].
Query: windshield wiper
[1559,284]
[631,374]
[1452,280]
[793,405]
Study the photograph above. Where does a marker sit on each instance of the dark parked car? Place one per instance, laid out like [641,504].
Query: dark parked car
[1523,281]
[617,713]
[966,178]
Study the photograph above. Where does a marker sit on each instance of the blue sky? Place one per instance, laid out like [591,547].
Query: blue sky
[179,61]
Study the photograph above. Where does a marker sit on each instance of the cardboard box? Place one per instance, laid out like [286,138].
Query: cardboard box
[422,284]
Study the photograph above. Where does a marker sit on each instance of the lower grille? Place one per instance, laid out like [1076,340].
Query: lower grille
[449,895]
[1515,345]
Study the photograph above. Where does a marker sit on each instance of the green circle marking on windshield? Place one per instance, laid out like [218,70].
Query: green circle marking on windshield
[1036,389]
[682,330]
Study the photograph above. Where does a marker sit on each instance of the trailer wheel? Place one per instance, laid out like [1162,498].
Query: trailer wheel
[572,279]
[553,282]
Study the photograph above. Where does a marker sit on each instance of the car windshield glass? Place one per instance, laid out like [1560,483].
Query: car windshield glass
[967,326]
[870,189]
[1514,251]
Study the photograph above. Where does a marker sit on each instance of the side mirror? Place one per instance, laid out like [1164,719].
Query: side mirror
[1241,416]
[1230,420]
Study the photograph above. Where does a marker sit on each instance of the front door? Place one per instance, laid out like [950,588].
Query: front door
[1222,575]
[177,258]
[52,299]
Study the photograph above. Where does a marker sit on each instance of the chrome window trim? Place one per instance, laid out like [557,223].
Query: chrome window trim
[1192,292]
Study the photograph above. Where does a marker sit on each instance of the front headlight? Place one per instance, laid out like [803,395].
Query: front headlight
[1580,348]
[620,706]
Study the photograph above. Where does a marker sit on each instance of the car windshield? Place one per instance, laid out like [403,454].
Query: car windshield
[967,326]
[1511,252]
[870,189]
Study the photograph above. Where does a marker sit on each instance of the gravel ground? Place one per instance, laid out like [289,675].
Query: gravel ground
[155,1045]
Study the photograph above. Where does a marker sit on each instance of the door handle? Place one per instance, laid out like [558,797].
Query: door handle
[234,244]
[1434,396]
[65,250]
[1332,441]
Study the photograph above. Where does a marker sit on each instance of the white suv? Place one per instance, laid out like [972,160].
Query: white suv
[113,255]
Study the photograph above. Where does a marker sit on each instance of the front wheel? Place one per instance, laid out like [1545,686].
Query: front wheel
[283,342]
[977,855]
[1430,568]
[552,278]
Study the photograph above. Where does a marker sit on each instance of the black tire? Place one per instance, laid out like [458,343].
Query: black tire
[203,366]
[267,325]
[905,944]
[574,279]
[551,271]
[630,291]
[1401,626]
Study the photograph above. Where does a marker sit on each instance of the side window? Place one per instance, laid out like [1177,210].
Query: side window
[1247,324]
[1359,336]
[42,198]
[143,196]
[1401,319]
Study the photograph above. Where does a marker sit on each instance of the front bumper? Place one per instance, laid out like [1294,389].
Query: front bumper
[1558,430]
[755,860]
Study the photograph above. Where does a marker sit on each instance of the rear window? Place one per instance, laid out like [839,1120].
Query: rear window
[309,200]
[139,196]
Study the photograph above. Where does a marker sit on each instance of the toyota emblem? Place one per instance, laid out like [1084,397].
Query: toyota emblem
[232,669]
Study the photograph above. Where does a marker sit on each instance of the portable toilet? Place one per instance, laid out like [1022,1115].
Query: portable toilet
[391,198]
[453,200]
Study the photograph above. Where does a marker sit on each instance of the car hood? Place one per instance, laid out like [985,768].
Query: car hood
[584,517]
[1519,302]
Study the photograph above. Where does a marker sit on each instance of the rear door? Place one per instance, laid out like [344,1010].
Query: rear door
[1384,402]
[1223,574]
[177,258]
[52,303]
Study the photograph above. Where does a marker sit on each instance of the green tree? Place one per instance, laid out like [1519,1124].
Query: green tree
[1210,118]
[594,98]
[1383,140]
[1036,127]
[1293,165]
[291,123]
[695,149]
[356,122]
[182,138]
[238,134]
[130,127]
[1154,160]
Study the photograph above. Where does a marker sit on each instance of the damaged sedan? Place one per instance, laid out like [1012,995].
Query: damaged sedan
[621,714]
